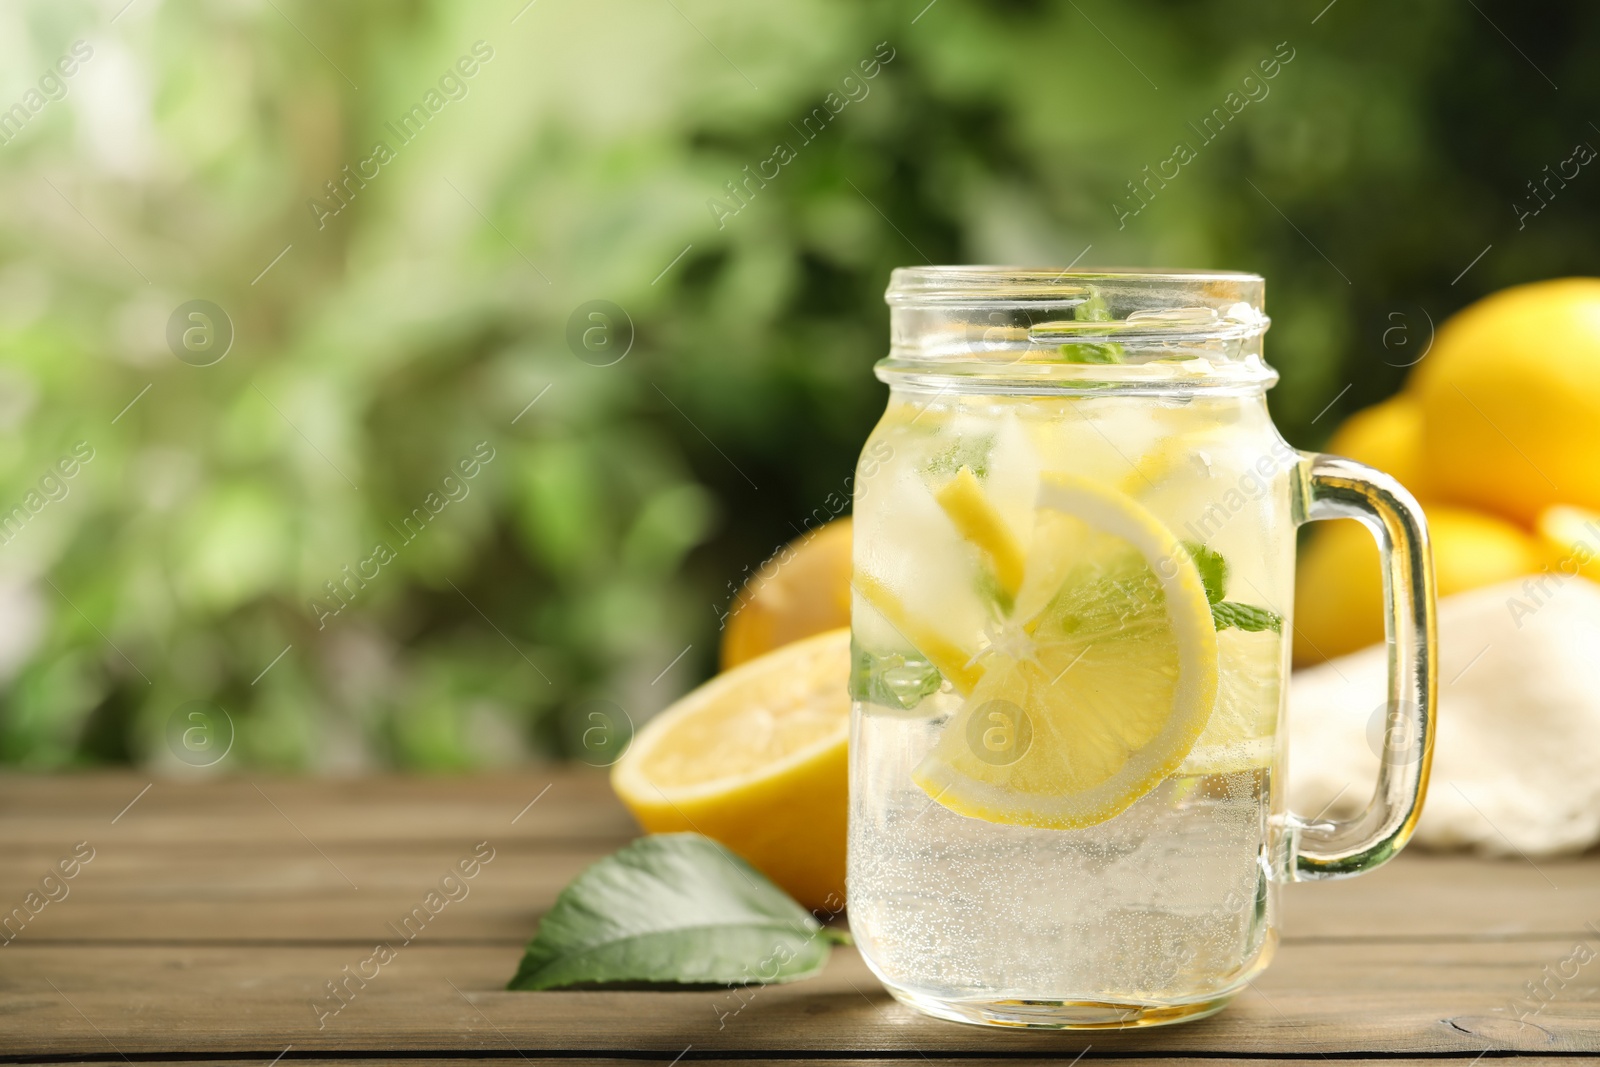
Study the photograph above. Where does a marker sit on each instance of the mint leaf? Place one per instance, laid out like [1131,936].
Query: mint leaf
[1093,309]
[891,679]
[1245,617]
[1225,613]
[964,452]
[672,909]
[1083,352]
[1212,567]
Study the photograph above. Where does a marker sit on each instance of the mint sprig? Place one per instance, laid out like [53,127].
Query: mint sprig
[1084,352]
[1225,613]
[1212,567]
[1245,617]
[1093,309]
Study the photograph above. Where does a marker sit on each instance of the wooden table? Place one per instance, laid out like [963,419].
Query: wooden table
[213,914]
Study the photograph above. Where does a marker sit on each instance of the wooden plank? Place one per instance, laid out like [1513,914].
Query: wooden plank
[1445,999]
[1427,896]
[239,892]
[214,860]
[335,861]
[572,806]
[144,894]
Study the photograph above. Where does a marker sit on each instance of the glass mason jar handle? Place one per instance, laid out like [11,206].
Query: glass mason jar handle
[1337,488]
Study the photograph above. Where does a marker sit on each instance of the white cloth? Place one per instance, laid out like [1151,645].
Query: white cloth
[1517,752]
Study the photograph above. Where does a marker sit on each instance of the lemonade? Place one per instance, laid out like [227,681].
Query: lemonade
[1165,900]
[1162,905]
[1067,662]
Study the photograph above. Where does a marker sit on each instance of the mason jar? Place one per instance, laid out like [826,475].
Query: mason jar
[1072,600]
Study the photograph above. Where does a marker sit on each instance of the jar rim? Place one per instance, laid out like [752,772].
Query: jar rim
[1048,328]
[986,283]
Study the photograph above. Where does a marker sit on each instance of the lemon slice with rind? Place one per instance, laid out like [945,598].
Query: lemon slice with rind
[756,759]
[976,519]
[952,661]
[1097,687]
[1239,734]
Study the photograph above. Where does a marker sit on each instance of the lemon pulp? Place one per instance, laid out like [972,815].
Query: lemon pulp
[756,759]
[1240,732]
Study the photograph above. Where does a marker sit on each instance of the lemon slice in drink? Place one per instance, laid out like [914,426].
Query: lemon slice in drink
[1100,683]
[976,519]
[1239,734]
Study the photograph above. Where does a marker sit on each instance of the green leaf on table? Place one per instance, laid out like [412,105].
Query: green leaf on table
[673,909]
[1245,617]
[1212,567]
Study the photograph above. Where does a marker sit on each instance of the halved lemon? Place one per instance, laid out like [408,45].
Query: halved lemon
[756,759]
[1099,683]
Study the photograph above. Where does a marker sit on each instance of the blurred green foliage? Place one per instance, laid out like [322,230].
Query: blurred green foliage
[580,163]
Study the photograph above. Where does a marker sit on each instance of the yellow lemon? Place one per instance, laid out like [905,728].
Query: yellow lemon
[1338,593]
[1510,398]
[756,759]
[801,591]
[1387,436]
[1571,539]
[1098,683]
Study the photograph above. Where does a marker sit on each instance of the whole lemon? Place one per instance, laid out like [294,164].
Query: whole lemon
[802,590]
[1571,537]
[1387,436]
[1338,594]
[1510,398]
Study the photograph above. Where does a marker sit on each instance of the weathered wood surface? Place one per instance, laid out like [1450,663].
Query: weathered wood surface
[214,912]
